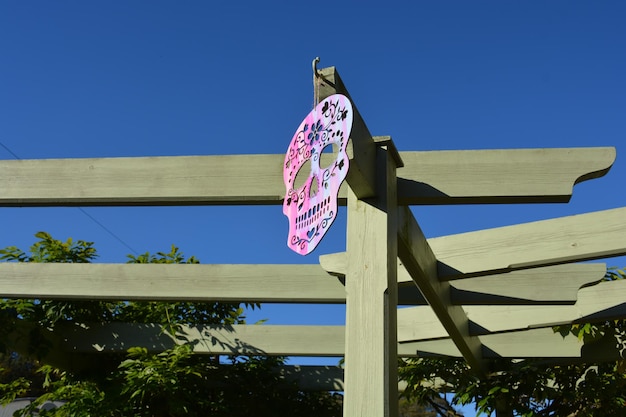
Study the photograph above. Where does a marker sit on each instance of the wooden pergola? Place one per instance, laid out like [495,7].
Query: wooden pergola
[481,295]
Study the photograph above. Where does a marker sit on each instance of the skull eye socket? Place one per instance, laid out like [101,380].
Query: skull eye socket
[302,176]
[328,155]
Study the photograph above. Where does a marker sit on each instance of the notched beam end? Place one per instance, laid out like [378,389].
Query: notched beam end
[604,160]
[335,264]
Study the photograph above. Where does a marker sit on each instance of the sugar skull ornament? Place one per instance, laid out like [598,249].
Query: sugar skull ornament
[312,207]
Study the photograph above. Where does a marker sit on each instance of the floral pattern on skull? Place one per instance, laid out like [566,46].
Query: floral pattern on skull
[312,207]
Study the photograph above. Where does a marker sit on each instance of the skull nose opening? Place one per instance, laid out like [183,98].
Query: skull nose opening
[314,187]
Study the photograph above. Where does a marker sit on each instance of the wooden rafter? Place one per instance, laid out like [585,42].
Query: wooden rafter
[601,302]
[528,245]
[524,176]
[229,283]
[281,283]
[290,340]
[566,239]
[421,264]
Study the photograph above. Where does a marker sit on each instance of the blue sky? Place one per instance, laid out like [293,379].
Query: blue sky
[108,79]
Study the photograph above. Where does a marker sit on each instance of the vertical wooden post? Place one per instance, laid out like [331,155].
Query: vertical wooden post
[371,383]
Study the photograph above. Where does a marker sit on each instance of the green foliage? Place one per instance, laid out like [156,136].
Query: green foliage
[175,382]
[531,388]
[48,249]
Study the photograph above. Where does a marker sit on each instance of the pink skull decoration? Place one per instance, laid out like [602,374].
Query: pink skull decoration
[312,207]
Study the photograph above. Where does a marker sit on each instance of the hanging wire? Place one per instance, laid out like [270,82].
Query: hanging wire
[89,216]
[317,81]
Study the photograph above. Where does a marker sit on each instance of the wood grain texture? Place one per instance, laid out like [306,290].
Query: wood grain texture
[597,303]
[493,176]
[536,343]
[421,264]
[371,381]
[310,341]
[362,173]
[272,283]
[567,239]
[234,283]
[551,284]
[529,245]
[222,340]
[451,177]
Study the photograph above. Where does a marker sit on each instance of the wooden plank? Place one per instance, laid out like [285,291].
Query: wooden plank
[183,180]
[535,343]
[301,341]
[497,176]
[537,175]
[552,284]
[216,340]
[598,303]
[228,283]
[421,263]
[362,153]
[371,381]
[567,239]
[581,237]
[314,378]
[271,283]
[55,352]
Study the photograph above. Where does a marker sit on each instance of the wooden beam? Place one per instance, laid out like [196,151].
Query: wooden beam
[227,283]
[55,352]
[314,378]
[551,284]
[371,359]
[451,177]
[497,176]
[218,340]
[303,341]
[362,173]
[421,263]
[567,239]
[536,343]
[598,303]
[281,283]
[562,240]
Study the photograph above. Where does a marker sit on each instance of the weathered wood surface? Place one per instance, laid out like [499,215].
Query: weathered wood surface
[362,173]
[314,378]
[421,263]
[273,283]
[371,358]
[452,177]
[551,284]
[309,341]
[601,302]
[227,340]
[567,239]
[204,282]
[445,176]
[528,245]
[535,343]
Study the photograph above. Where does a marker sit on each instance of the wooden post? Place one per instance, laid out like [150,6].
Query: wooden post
[371,384]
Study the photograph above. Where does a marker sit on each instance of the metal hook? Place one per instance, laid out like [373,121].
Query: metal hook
[314,65]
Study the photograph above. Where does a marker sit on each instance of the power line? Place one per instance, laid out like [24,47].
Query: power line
[106,229]
[10,151]
[93,219]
